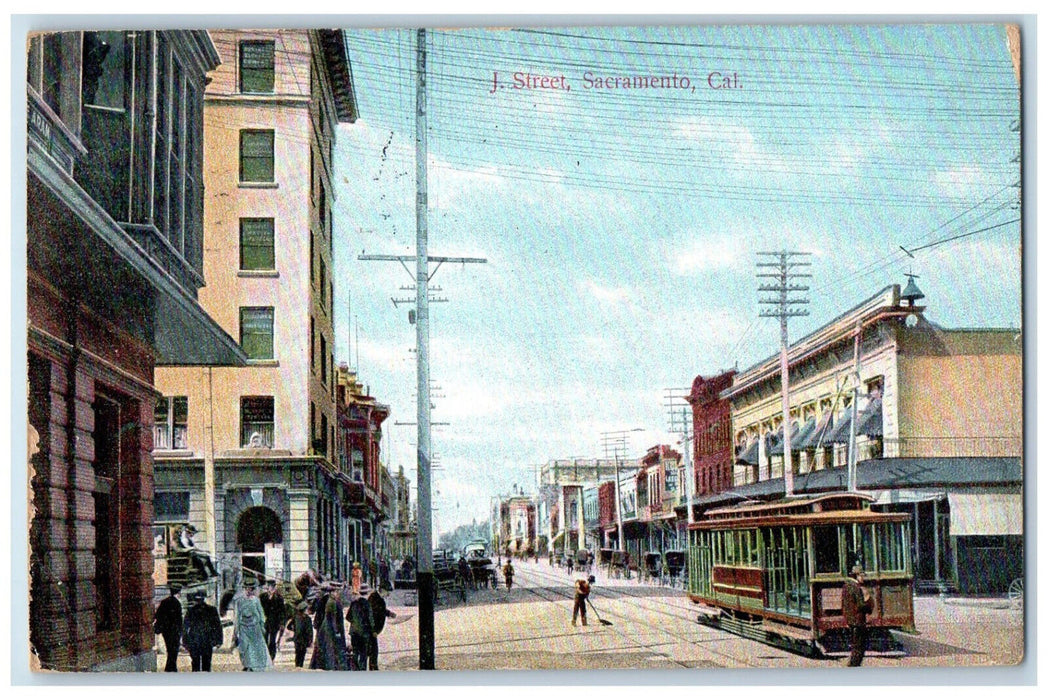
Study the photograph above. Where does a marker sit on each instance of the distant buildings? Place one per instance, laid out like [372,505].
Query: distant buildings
[560,515]
[369,505]
[251,455]
[517,528]
[115,259]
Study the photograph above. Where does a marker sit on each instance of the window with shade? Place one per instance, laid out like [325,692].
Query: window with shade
[257,251]
[256,155]
[170,423]
[256,67]
[256,421]
[256,332]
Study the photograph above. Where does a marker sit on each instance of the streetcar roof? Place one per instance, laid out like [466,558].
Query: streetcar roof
[822,518]
[836,507]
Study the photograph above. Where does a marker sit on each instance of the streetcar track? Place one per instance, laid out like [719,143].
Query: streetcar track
[702,644]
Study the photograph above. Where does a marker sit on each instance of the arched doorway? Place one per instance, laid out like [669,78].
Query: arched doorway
[256,527]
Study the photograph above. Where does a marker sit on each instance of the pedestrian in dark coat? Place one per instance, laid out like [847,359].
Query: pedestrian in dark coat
[507,572]
[856,604]
[329,648]
[360,629]
[379,613]
[201,631]
[273,607]
[383,573]
[167,622]
[302,626]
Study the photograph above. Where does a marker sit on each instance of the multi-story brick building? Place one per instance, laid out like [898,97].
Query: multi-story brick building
[712,439]
[114,264]
[360,419]
[252,455]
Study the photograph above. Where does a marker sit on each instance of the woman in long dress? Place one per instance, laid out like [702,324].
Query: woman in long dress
[249,631]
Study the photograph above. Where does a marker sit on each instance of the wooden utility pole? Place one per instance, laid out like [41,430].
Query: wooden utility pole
[420,317]
[785,264]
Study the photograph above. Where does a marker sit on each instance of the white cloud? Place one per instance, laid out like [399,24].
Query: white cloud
[605,294]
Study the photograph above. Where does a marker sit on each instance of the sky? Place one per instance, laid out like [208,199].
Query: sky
[621,226]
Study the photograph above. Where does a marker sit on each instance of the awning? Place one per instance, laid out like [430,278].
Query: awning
[773,441]
[819,436]
[797,442]
[869,421]
[750,453]
[840,432]
[986,514]
[778,449]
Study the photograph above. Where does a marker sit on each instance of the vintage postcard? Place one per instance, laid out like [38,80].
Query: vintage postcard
[547,347]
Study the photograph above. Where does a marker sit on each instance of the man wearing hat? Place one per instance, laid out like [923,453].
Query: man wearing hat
[856,603]
[329,651]
[167,622]
[201,631]
[582,591]
[273,607]
[360,628]
[302,627]
[379,613]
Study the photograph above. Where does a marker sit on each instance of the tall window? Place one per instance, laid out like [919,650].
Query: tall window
[106,495]
[323,360]
[324,432]
[177,153]
[256,421]
[170,423]
[256,155]
[256,332]
[256,66]
[312,256]
[45,69]
[323,281]
[256,244]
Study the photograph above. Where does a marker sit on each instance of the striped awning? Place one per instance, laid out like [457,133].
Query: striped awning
[986,514]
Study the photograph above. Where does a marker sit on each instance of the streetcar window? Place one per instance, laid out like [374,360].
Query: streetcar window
[827,549]
[890,547]
[869,562]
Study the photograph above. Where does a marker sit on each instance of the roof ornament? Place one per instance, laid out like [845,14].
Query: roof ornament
[912,292]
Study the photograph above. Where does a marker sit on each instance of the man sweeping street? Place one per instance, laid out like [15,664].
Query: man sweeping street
[582,591]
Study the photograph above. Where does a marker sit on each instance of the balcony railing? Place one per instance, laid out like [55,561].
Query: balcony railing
[994,446]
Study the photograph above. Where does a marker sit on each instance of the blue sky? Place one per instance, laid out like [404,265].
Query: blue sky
[621,226]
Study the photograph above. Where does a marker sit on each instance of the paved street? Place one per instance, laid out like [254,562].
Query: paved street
[652,627]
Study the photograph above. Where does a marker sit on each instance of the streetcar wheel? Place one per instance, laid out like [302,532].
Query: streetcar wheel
[1015,594]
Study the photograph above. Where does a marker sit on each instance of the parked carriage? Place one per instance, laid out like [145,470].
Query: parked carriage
[482,569]
[653,565]
[446,575]
[776,571]
[676,565]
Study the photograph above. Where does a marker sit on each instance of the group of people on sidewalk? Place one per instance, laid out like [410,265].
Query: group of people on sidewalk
[199,631]
[261,619]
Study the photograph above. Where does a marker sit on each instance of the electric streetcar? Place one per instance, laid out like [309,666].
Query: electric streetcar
[775,571]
